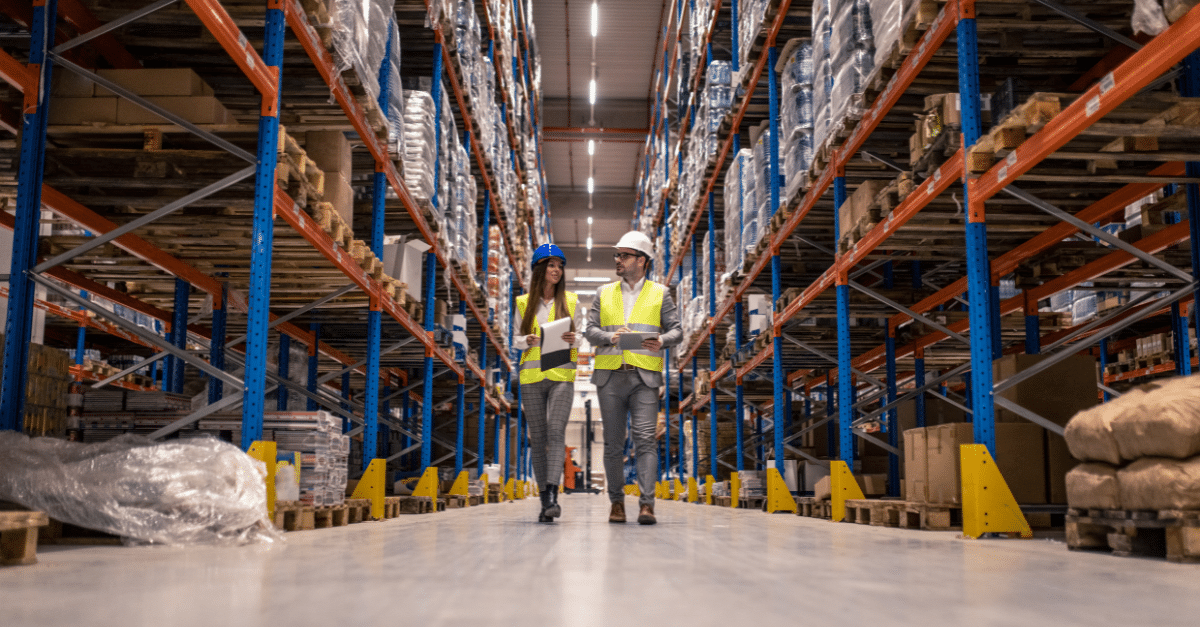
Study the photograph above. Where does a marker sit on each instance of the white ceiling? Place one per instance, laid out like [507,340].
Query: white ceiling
[625,57]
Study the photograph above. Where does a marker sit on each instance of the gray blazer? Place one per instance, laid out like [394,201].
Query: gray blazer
[671,336]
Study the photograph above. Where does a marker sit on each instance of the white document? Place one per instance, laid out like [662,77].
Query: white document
[633,341]
[555,352]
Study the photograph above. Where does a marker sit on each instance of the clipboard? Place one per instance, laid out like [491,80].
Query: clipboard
[555,352]
[630,341]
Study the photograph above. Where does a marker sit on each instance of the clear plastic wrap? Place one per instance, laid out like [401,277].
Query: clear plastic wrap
[200,491]
[1148,17]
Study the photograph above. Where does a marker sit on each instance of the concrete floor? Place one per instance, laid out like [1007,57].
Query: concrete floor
[699,566]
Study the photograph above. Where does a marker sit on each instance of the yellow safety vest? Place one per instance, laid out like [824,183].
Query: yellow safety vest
[531,359]
[645,318]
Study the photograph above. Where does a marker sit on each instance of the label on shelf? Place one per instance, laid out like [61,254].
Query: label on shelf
[1107,83]
[1093,105]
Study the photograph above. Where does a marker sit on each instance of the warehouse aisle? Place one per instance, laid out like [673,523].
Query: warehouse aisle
[699,566]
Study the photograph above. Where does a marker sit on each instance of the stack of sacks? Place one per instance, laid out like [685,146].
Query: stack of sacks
[1142,449]
[420,144]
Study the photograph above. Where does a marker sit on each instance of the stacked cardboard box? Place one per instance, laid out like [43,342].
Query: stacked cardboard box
[330,150]
[78,100]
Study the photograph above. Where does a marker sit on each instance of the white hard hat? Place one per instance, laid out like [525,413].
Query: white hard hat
[637,241]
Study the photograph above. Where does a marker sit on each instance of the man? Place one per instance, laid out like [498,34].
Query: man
[628,382]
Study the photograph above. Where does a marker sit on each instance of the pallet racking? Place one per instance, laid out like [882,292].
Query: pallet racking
[176,245]
[951,251]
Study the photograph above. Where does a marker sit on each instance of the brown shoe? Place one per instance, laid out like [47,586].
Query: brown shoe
[617,515]
[646,515]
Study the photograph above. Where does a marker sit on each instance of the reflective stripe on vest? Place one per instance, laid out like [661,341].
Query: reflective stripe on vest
[531,359]
[646,317]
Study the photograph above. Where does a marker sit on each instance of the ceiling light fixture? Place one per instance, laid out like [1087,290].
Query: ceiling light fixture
[592,92]
[592,279]
[595,19]
[589,243]
[591,184]
[589,220]
[591,147]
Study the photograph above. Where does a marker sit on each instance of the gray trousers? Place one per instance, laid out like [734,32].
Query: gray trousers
[547,406]
[625,393]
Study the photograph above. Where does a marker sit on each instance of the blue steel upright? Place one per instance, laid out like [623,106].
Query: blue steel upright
[979,283]
[19,324]
[739,426]
[712,340]
[845,378]
[431,263]
[776,267]
[893,485]
[460,407]
[375,313]
[1033,327]
[216,351]
[919,382]
[666,459]
[483,387]
[258,316]
[1189,86]
[285,350]
[314,356]
[178,336]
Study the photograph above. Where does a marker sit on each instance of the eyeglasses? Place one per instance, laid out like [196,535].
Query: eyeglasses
[624,256]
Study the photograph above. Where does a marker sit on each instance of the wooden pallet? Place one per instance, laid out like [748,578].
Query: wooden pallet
[415,505]
[454,502]
[331,516]
[294,516]
[931,516]
[58,532]
[19,534]
[359,510]
[722,501]
[874,512]
[1027,118]
[813,507]
[1173,534]
[752,502]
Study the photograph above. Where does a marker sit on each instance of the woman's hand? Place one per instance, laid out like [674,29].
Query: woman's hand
[568,337]
[532,340]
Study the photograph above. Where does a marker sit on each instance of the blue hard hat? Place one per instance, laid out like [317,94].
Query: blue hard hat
[546,251]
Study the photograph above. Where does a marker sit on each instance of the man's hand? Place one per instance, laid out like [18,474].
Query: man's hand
[652,344]
[568,337]
[616,338]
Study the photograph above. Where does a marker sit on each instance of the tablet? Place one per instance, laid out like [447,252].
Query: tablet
[633,341]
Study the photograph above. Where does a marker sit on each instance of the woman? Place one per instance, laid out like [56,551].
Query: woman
[547,396]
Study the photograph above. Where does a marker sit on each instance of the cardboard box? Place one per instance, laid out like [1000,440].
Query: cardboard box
[194,109]
[1019,456]
[937,412]
[813,473]
[330,150]
[156,82]
[872,484]
[1056,394]
[916,466]
[83,111]
[339,194]
[71,85]
[859,204]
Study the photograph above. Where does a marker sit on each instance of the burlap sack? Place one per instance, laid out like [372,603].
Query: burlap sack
[1089,433]
[1157,483]
[1093,486]
[1167,423]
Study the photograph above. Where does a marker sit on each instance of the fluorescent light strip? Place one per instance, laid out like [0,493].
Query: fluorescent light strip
[595,19]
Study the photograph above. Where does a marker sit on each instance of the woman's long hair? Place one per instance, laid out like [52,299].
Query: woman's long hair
[537,286]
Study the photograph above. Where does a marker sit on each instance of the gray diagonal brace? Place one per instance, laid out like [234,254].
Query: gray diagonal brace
[898,307]
[827,357]
[112,26]
[1104,236]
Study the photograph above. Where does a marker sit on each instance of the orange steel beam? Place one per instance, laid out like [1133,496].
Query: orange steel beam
[1136,72]
[221,25]
[16,73]
[1115,57]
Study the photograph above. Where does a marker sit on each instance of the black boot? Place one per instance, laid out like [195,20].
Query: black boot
[552,509]
[544,516]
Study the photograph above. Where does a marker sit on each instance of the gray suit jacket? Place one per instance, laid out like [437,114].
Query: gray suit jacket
[672,335]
